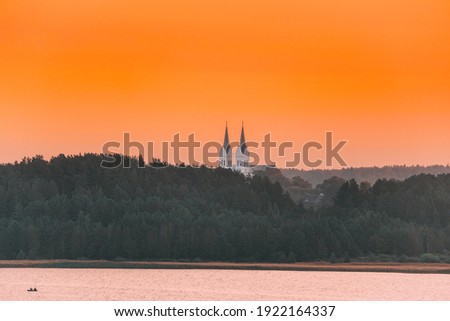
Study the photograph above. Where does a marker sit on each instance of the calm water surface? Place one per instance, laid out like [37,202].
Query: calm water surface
[131,284]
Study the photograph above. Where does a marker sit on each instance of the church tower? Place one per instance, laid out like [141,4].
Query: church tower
[226,156]
[242,156]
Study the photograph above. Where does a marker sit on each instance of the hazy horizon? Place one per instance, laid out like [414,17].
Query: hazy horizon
[321,168]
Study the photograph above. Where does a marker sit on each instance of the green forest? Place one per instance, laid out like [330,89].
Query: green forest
[71,208]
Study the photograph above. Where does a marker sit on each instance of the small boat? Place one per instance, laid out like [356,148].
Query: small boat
[32,290]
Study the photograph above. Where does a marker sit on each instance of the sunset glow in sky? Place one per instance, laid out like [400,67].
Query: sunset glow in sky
[75,74]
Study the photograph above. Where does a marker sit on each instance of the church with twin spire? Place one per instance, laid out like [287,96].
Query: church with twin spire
[241,161]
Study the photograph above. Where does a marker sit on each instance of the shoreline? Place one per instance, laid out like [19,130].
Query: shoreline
[385,267]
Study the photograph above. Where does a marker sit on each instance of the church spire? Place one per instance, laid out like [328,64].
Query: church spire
[226,140]
[242,144]
[226,159]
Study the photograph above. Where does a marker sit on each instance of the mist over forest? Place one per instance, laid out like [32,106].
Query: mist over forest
[366,174]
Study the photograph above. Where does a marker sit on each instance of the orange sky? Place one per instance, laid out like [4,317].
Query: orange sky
[75,74]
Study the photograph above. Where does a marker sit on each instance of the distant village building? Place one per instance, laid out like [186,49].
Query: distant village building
[242,157]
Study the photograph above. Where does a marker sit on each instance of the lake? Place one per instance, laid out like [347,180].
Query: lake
[193,284]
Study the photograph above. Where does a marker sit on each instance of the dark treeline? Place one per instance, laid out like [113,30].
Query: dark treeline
[71,208]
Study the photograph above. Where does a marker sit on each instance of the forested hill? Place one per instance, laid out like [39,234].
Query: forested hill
[365,174]
[70,207]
